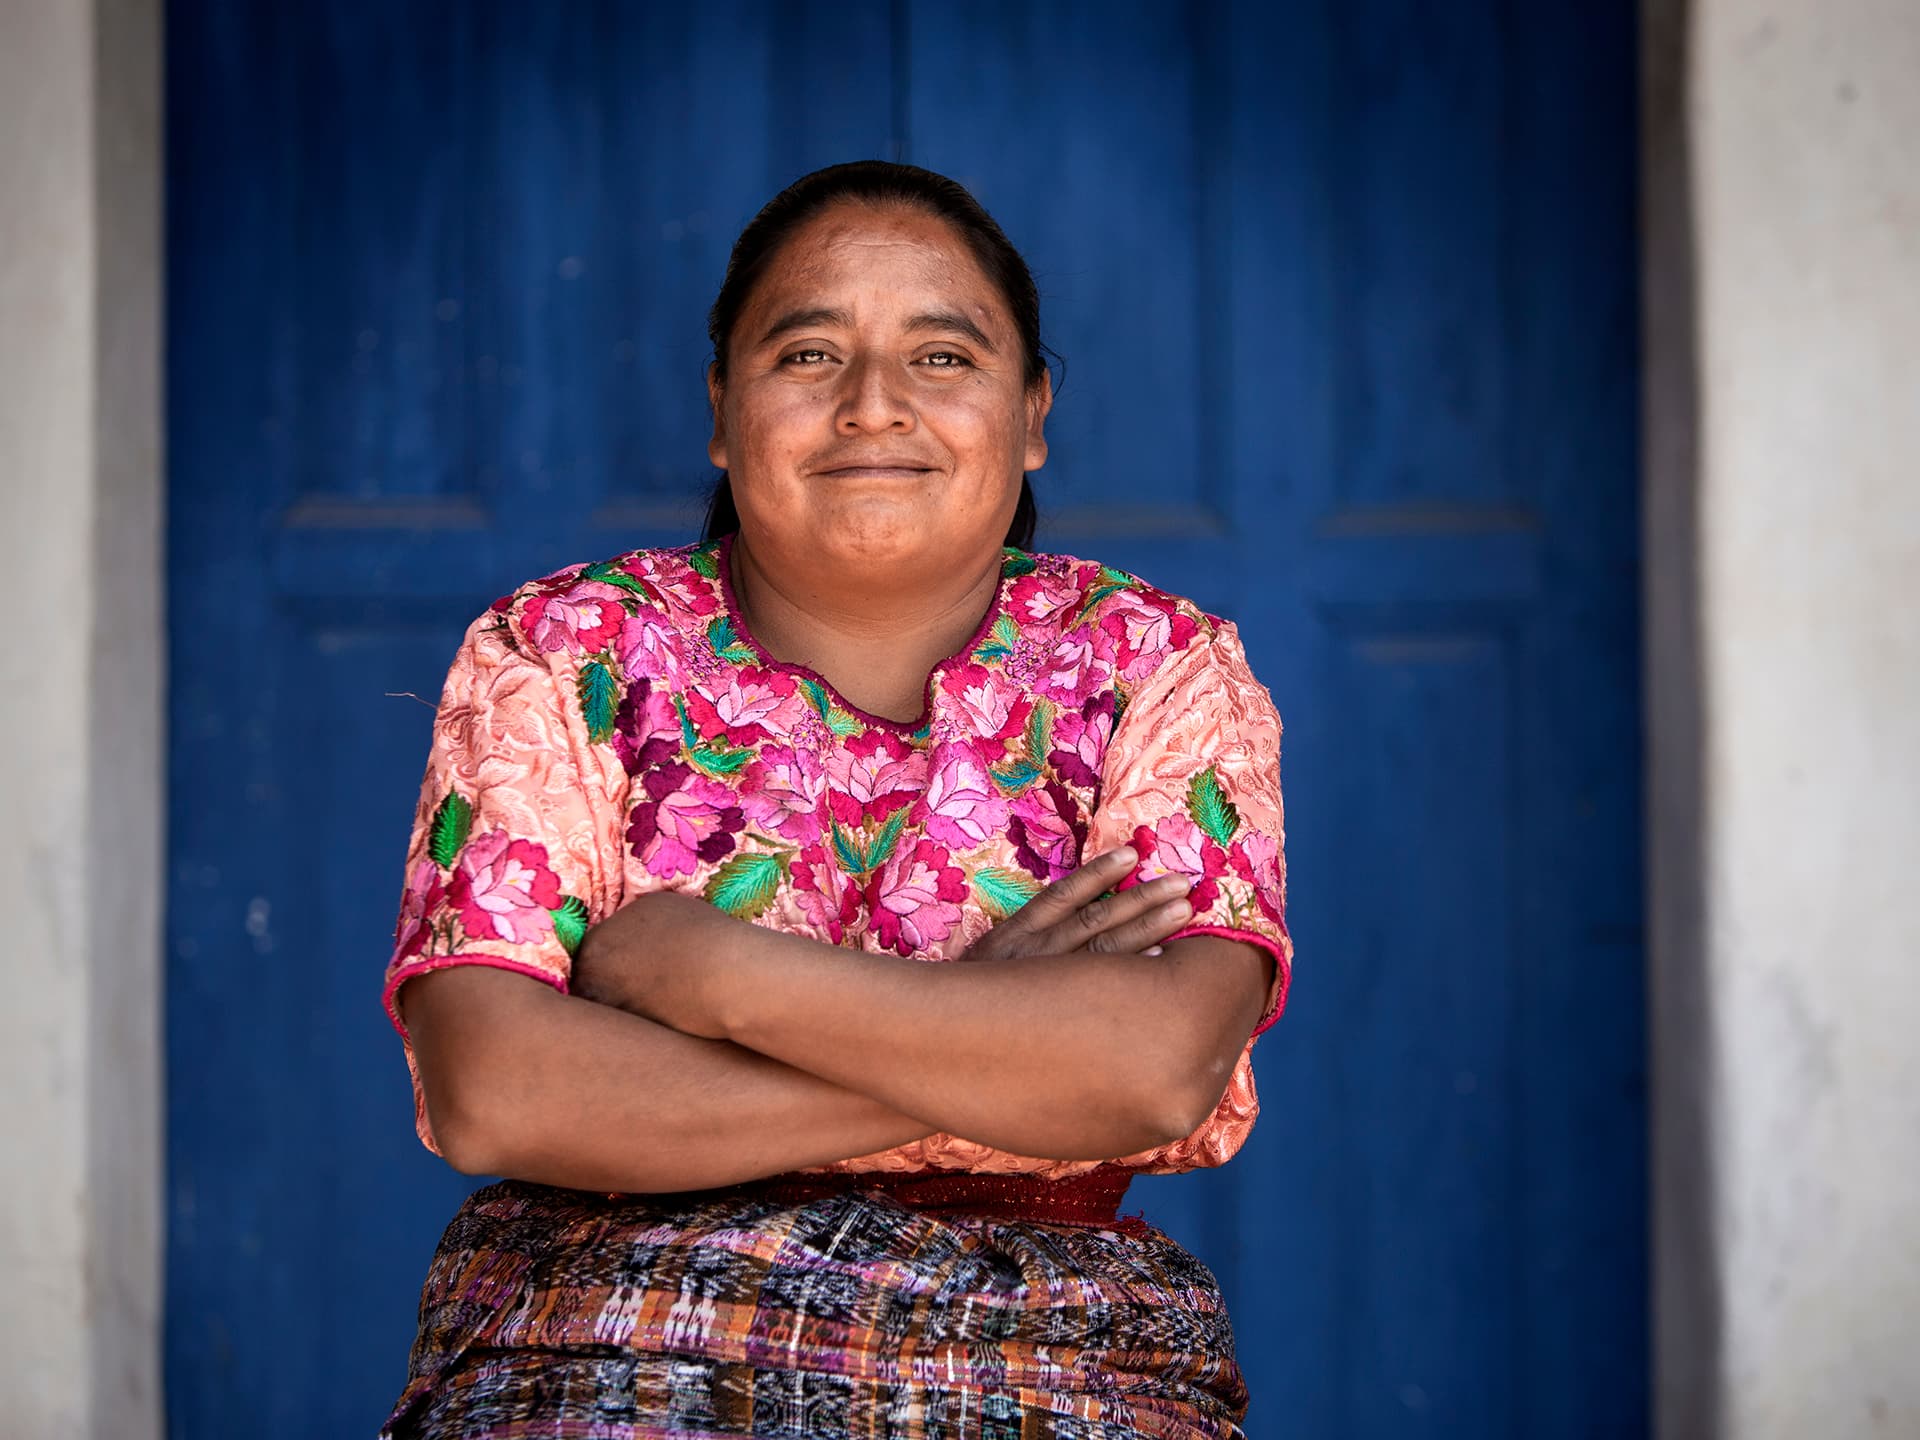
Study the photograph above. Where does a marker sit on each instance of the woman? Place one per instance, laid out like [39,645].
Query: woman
[695,819]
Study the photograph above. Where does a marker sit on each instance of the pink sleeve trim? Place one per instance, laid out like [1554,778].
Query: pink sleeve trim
[442,962]
[1282,966]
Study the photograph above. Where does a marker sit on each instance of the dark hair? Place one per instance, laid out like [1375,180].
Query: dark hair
[878,182]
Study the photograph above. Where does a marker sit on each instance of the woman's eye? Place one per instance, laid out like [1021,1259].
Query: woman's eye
[804,357]
[946,360]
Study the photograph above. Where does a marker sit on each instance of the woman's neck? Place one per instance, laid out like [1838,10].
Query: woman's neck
[873,637]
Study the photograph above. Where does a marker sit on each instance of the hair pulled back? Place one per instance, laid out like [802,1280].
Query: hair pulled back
[876,182]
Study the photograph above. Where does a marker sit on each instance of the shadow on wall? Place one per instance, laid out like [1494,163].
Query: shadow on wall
[1687,1319]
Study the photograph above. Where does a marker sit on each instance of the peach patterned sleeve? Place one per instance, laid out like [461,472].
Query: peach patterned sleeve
[1192,781]
[516,839]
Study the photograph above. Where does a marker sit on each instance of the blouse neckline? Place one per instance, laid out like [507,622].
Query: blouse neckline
[914,729]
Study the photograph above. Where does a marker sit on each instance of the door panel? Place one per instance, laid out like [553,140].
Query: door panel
[1345,296]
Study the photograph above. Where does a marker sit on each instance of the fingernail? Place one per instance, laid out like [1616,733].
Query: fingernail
[1154,950]
[1181,908]
[1124,854]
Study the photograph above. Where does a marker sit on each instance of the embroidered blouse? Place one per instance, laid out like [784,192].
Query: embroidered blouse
[614,729]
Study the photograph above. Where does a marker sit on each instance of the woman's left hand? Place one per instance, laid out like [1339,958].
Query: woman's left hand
[660,956]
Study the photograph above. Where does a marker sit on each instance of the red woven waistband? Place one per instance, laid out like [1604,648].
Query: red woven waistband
[1092,1198]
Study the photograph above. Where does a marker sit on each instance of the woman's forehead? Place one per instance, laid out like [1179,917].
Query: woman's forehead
[865,261]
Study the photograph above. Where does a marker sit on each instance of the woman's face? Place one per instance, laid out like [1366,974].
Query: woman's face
[875,412]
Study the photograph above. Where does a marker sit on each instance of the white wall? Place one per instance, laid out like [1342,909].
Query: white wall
[81,648]
[1790,1240]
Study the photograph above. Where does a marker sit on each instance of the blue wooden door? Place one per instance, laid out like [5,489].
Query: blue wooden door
[1346,299]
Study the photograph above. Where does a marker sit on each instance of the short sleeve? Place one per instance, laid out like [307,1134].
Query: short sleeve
[515,844]
[1192,781]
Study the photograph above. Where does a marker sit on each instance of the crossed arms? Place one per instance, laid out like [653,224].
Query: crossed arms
[698,1050]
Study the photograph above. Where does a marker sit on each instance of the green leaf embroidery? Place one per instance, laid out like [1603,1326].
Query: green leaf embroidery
[451,822]
[570,923]
[726,641]
[596,699]
[881,850]
[1039,736]
[1015,776]
[847,851]
[610,572]
[1119,579]
[746,884]
[689,737]
[706,560]
[839,721]
[1001,891]
[719,760]
[1017,563]
[999,642]
[1218,816]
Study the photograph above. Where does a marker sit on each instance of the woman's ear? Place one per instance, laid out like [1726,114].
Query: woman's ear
[1039,402]
[717,446]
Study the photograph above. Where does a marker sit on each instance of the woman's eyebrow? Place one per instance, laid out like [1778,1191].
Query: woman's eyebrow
[808,319]
[953,321]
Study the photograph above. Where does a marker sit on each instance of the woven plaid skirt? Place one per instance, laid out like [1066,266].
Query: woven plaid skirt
[850,1314]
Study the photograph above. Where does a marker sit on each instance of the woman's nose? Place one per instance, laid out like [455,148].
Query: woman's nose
[874,398]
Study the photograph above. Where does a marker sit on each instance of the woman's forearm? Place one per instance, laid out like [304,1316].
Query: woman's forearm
[524,1082]
[1070,1056]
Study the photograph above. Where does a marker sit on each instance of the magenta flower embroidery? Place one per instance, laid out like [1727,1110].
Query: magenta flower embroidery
[1142,633]
[1177,846]
[646,729]
[645,648]
[990,706]
[1080,740]
[964,809]
[1041,599]
[737,703]
[684,820]
[504,889]
[583,619]
[872,775]
[424,896]
[780,793]
[1257,854]
[1081,662]
[914,899]
[1048,831]
[827,901]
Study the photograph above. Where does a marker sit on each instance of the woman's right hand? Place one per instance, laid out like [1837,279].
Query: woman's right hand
[1076,912]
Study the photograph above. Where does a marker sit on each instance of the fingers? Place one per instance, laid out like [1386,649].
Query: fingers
[1154,923]
[1065,897]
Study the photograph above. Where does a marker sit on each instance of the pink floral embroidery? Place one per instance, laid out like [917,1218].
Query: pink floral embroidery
[964,810]
[684,819]
[873,775]
[1082,661]
[1048,831]
[914,899]
[1177,846]
[989,706]
[645,648]
[582,619]
[504,889]
[1080,741]
[739,704]
[780,793]
[1143,633]
[423,897]
[646,728]
[827,902]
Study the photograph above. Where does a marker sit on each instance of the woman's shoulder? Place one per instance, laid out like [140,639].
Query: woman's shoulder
[1116,616]
[605,607]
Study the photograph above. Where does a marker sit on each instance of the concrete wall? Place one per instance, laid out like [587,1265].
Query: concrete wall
[1784,599]
[82,649]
